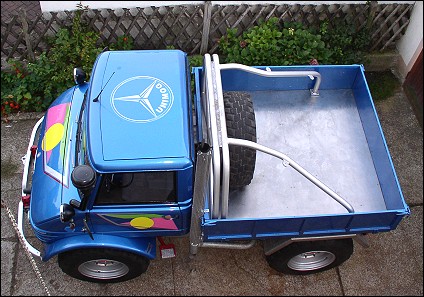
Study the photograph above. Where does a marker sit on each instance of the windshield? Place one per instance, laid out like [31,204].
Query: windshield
[137,187]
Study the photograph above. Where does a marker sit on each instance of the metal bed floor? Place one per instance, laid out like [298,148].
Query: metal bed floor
[324,135]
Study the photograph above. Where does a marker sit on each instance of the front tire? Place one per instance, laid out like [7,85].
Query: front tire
[102,265]
[302,258]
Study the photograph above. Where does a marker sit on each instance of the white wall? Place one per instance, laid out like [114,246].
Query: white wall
[411,44]
[71,5]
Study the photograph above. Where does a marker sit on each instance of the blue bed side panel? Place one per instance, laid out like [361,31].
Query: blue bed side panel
[378,147]
[255,228]
[334,77]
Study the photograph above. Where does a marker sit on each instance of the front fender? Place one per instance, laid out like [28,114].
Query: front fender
[144,246]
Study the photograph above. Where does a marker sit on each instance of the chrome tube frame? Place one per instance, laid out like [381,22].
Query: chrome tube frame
[289,162]
[220,142]
[213,133]
[310,74]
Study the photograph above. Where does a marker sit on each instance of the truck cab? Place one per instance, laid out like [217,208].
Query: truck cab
[136,136]
[116,156]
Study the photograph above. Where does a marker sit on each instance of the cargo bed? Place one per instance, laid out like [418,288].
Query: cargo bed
[329,127]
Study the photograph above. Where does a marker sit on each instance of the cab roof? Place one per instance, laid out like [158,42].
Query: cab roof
[142,118]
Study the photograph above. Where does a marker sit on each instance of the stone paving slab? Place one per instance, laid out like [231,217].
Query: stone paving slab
[404,138]
[392,265]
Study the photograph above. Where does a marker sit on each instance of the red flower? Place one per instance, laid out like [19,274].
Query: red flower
[313,62]
[125,39]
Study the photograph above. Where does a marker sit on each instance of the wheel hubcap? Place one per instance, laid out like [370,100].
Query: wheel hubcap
[311,260]
[103,269]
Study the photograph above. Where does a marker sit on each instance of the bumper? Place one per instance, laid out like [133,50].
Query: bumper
[25,242]
[27,160]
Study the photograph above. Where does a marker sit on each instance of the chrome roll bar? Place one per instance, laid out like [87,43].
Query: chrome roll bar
[212,96]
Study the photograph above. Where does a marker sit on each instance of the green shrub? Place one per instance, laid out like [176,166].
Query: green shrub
[300,45]
[33,87]
[194,61]
[294,44]
[257,46]
[268,44]
[124,42]
[346,43]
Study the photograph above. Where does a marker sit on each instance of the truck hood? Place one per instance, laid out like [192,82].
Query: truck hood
[51,185]
[139,111]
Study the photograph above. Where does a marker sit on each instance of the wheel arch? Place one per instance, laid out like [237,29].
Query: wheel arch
[144,246]
[305,257]
[273,245]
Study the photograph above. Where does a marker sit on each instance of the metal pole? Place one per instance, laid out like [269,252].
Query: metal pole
[206,27]
[289,162]
[200,187]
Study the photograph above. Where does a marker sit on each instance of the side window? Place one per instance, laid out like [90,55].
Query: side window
[137,187]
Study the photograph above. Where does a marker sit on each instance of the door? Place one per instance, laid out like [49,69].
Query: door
[132,202]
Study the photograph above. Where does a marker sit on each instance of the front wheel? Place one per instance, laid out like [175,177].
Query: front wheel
[102,265]
[310,257]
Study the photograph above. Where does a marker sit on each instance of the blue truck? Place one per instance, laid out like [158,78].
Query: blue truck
[292,158]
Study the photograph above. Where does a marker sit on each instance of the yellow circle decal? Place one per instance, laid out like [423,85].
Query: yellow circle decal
[142,223]
[52,137]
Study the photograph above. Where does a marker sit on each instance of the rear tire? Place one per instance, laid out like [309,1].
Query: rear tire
[302,258]
[241,124]
[102,265]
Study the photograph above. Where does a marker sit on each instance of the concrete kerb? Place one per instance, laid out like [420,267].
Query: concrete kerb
[22,116]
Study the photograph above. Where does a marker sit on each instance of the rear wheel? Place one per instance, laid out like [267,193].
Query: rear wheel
[102,265]
[241,124]
[310,257]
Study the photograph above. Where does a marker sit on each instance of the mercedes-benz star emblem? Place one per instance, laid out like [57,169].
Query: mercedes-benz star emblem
[151,104]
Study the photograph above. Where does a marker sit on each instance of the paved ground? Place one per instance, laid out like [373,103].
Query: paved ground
[393,265]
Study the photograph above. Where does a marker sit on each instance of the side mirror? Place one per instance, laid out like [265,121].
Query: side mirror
[79,76]
[75,203]
[67,213]
[83,178]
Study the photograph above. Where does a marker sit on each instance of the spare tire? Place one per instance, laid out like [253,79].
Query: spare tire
[241,124]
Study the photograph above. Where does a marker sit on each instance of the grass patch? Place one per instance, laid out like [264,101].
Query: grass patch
[8,168]
[382,84]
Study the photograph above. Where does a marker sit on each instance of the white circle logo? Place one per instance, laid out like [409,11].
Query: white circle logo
[152,102]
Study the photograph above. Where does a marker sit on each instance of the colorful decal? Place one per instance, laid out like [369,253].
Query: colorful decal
[55,143]
[138,221]
[152,103]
